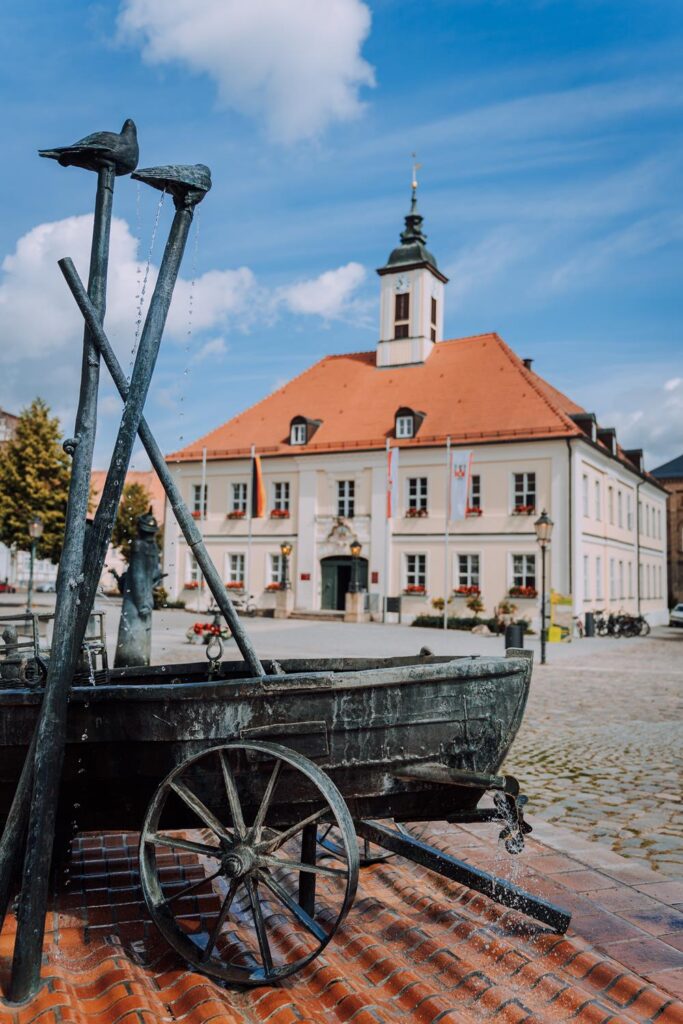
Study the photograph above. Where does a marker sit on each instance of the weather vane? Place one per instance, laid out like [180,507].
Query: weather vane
[416,168]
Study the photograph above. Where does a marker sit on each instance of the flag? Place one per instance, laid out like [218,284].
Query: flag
[459,474]
[258,490]
[392,481]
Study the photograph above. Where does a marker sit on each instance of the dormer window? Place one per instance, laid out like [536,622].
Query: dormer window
[404,426]
[402,315]
[298,433]
[302,429]
[432,328]
[407,422]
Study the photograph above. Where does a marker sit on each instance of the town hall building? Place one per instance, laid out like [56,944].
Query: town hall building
[321,443]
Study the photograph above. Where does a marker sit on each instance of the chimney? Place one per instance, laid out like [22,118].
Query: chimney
[527,362]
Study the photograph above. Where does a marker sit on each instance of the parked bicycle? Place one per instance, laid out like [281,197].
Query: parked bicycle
[621,624]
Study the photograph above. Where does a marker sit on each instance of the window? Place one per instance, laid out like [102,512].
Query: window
[525,492]
[433,320]
[277,568]
[404,426]
[610,504]
[417,493]
[584,481]
[647,581]
[236,569]
[598,578]
[630,579]
[612,580]
[468,571]
[622,593]
[475,491]
[346,498]
[194,574]
[620,510]
[402,315]
[598,502]
[586,579]
[629,512]
[647,521]
[281,496]
[239,498]
[524,571]
[199,507]
[297,434]
[416,572]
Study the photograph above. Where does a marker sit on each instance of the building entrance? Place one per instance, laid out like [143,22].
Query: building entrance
[336,579]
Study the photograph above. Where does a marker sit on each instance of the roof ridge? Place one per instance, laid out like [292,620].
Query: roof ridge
[529,375]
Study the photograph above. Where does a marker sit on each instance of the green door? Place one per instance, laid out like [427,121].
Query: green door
[336,580]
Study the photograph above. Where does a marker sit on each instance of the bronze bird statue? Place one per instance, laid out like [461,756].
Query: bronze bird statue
[187,183]
[119,149]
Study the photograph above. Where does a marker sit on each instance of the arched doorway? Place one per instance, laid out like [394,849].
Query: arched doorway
[336,579]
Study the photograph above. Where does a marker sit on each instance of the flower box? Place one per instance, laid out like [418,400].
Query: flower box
[196,514]
[523,510]
[473,510]
[414,588]
[273,586]
[233,585]
[466,591]
[416,513]
[236,514]
[192,585]
[523,592]
[279,513]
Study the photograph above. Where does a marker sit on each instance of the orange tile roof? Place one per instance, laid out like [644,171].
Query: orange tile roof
[471,389]
[414,948]
[146,478]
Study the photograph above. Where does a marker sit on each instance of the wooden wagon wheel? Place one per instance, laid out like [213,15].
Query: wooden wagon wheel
[255,906]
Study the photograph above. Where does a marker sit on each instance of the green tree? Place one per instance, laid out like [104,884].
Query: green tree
[135,501]
[34,481]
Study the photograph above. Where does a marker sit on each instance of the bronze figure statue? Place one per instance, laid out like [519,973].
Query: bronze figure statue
[134,643]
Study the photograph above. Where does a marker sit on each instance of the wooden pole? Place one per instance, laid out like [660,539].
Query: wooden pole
[186,523]
[51,728]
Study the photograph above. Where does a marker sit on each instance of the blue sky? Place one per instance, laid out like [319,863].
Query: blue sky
[550,137]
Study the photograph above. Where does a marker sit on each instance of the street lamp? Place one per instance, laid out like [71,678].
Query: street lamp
[35,532]
[544,528]
[356,548]
[286,549]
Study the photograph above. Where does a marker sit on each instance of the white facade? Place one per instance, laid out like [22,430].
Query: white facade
[593,556]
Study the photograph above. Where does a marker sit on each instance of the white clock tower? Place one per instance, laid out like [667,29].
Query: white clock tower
[411,298]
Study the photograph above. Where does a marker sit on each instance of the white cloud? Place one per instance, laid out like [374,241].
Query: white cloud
[295,63]
[645,408]
[475,268]
[214,347]
[671,385]
[327,296]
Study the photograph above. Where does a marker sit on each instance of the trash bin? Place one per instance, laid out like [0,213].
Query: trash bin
[514,635]
[590,624]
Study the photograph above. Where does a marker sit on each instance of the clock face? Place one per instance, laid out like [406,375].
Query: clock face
[401,284]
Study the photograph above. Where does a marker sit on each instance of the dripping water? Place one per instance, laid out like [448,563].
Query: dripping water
[142,279]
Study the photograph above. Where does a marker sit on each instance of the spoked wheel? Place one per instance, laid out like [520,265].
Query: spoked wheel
[256,905]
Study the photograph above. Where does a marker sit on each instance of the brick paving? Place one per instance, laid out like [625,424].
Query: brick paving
[414,946]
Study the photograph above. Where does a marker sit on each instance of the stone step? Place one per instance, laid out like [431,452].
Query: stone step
[325,614]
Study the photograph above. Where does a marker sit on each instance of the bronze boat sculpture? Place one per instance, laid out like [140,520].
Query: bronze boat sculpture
[266,775]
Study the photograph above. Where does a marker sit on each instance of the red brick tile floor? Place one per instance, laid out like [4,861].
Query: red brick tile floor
[414,946]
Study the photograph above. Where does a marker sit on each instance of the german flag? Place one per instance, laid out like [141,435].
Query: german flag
[258,489]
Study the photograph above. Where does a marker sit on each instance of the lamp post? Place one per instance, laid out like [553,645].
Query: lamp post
[356,548]
[544,528]
[286,549]
[35,532]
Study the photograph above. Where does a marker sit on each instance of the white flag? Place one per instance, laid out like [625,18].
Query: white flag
[459,473]
[392,482]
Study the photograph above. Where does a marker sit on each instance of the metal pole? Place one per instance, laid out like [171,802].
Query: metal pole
[29,597]
[286,585]
[51,729]
[250,510]
[185,521]
[202,517]
[68,634]
[543,637]
[447,513]
[387,533]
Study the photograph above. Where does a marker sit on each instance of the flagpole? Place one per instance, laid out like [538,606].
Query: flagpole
[446,567]
[250,505]
[203,497]
[386,534]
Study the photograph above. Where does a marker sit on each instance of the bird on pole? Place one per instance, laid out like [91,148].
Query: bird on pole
[117,148]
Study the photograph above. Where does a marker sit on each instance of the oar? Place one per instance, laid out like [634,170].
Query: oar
[188,185]
[186,523]
[81,448]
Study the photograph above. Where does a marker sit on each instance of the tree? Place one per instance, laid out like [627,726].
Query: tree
[34,481]
[135,501]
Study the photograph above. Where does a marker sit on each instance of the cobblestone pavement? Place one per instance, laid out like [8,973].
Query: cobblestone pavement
[600,750]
